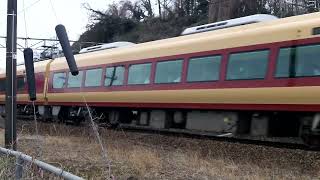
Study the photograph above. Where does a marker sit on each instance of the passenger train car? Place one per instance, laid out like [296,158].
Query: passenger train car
[256,79]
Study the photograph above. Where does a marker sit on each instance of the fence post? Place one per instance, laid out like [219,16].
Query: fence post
[19,168]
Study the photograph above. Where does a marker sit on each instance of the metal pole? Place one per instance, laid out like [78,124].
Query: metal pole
[19,168]
[11,63]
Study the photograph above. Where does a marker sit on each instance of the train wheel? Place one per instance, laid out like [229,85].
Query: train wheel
[114,117]
[313,141]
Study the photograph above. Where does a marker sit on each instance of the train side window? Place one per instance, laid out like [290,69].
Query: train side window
[248,65]
[93,77]
[2,85]
[20,83]
[59,80]
[284,66]
[168,71]
[300,61]
[139,74]
[75,81]
[114,76]
[204,69]
[316,31]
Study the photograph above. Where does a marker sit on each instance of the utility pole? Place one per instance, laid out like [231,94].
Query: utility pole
[11,73]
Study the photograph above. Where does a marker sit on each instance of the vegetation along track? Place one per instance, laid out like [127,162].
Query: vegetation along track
[288,143]
[165,156]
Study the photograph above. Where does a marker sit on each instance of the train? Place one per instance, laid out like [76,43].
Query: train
[256,76]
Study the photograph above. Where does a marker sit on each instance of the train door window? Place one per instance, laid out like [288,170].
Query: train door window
[139,74]
[169,71]
[300,61]
[20,83]
[248,65]
[93,77]
[204,69]
[2,85]
[75,81]
[59,80]
[114,76]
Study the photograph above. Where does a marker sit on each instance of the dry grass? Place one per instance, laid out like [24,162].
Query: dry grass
[144,156]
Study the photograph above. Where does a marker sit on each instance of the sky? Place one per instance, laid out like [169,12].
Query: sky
[43,15]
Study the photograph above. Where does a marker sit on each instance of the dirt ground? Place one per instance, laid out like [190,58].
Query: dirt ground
[145,156]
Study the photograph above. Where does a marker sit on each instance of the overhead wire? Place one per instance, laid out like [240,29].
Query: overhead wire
[54,11]
[25,24]
[57,20]
[24,9]
[31,5]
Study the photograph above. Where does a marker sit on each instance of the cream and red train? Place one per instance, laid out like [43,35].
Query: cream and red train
[258,79]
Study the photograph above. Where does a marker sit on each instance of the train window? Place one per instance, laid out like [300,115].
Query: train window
[75,81]
[316,31]
[204,69]
[248,65]
[20,83]
[2,85]
[114,76]
[283,63]
[301,61]
[93,77]
[139,74]
[169,71]
[59,80]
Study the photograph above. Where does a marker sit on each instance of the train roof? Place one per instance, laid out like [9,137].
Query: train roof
[229,23]
[291,28]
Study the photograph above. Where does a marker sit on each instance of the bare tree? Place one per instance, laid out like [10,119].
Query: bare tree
[221,9]
[165,8]
[136,11]
[159,7]
[146,4]
[227,9]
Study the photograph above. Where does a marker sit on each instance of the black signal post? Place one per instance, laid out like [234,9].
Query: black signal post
[11,74]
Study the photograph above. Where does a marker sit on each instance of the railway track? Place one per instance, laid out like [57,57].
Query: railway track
[295,143]
[287,143]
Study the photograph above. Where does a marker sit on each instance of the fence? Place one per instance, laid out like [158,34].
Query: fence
[21,159]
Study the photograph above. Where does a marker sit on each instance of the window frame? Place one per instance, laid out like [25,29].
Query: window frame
[274,75]
[203,56]
[228,55]
[85,70]
[151,78]
[166,60]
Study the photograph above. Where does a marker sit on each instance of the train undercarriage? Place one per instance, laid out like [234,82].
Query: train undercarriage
[258,124]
